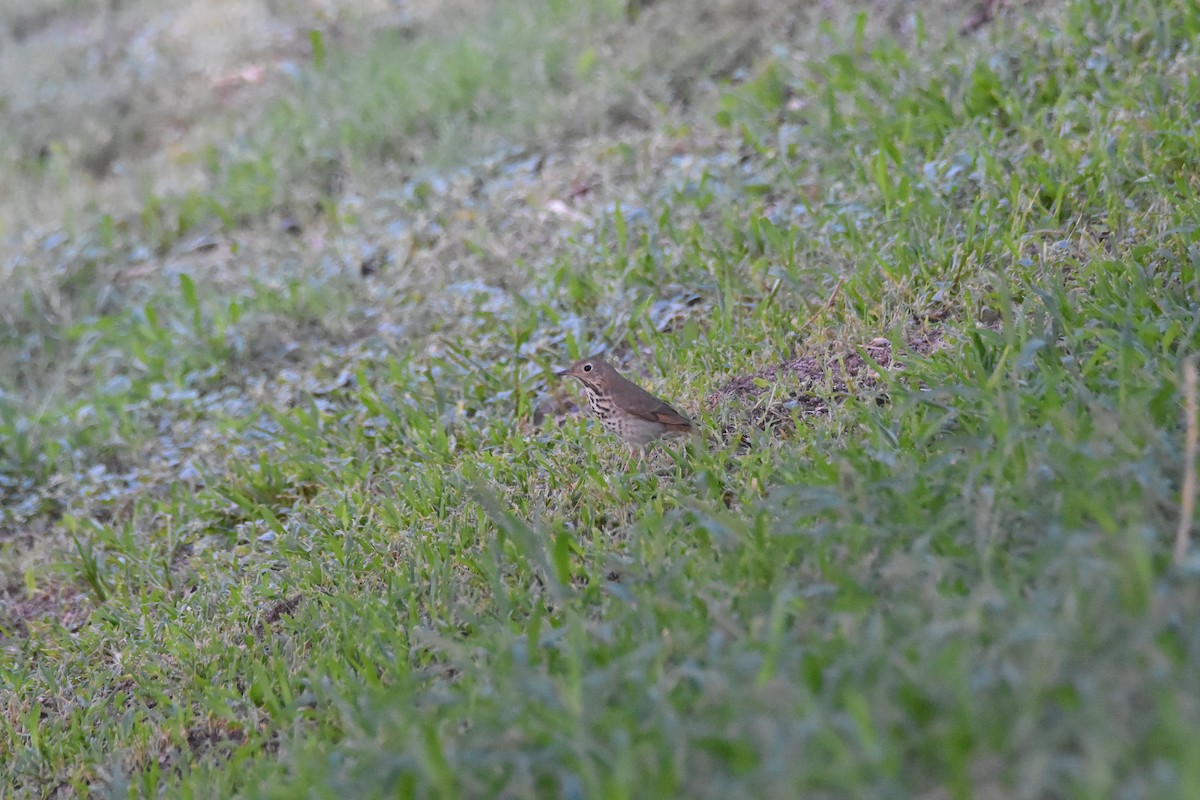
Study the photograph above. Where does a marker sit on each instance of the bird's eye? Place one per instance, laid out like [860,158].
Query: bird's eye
[587,367]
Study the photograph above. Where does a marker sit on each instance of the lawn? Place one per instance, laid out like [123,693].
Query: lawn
[293,505]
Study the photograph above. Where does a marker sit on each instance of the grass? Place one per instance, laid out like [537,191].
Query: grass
[275,524]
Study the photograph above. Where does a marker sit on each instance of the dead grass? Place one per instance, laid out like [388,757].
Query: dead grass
[106,101]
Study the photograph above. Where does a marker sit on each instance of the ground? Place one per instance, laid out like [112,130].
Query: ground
[292,504]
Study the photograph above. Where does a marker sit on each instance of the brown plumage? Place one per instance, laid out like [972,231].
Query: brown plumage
[623,407]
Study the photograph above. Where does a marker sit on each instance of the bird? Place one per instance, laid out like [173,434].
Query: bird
[624,408]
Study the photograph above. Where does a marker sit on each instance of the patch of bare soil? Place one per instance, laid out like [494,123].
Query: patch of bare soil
[276,612]
[64,604]
[809,384]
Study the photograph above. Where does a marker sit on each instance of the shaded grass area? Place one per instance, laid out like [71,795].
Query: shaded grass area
[373,558]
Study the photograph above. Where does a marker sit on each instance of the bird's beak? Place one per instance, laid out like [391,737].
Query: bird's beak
[563,373]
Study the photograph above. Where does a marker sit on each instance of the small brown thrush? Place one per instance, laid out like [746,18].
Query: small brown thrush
[624,408]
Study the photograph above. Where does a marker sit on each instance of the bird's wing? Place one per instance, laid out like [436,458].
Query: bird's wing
[642,404]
